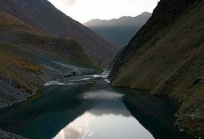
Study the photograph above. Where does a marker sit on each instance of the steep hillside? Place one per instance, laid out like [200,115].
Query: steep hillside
[56,22]
[15,31]
[29,58]
[118,31]
[166,57]
[12,9]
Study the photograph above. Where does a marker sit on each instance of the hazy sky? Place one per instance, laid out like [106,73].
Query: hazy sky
[85,10]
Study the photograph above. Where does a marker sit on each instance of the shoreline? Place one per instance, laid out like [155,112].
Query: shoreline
[4,107]
[21,100]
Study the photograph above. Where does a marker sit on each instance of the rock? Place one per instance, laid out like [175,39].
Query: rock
[11,94]
[7,135]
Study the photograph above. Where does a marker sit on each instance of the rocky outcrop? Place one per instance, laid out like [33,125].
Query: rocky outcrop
[11,94]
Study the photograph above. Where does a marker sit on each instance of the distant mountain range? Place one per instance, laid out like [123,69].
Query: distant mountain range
[118,31]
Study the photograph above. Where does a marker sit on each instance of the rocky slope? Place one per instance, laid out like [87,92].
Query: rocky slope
[56,22]
[7,135]
[166,57]
[118,31]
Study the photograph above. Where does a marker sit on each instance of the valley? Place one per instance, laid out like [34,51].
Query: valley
[131,77]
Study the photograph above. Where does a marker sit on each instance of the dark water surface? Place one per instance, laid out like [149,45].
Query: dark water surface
[87,107]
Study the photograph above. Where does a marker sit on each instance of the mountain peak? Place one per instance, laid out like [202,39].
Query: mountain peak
[145,13]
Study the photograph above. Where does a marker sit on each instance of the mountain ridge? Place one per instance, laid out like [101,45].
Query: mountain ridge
[120,30]
[88,23]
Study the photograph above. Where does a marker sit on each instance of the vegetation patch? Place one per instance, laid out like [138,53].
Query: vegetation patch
[16,67]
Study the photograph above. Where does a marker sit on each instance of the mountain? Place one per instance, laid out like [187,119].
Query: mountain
[23,48]
[53,21]
[166,57]
[30,56]
[118,31]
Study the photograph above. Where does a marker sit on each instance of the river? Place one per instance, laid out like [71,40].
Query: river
[87,107]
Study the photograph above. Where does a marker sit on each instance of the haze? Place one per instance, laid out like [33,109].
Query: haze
[85,10]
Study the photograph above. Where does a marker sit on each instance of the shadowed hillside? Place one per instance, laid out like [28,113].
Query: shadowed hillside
[166,56]
[56,22]
[29,57]
[120,30]
[12,9]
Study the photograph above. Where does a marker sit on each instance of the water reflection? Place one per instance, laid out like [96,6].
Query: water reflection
[155,114]
[111,108]
[92,125]
[69,133]
[100,95]
[44,116]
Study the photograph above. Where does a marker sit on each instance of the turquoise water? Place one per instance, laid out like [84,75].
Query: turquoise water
[87,107]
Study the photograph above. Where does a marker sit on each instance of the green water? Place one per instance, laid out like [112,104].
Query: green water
[87,107]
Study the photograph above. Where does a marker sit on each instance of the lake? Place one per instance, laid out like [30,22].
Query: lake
[87,107]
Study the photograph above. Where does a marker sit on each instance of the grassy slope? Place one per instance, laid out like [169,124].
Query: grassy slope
[21,33]
[160,60]
[16,67]
[12,23]
[171,64]
[68,49]
[17,62]
[12,9]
